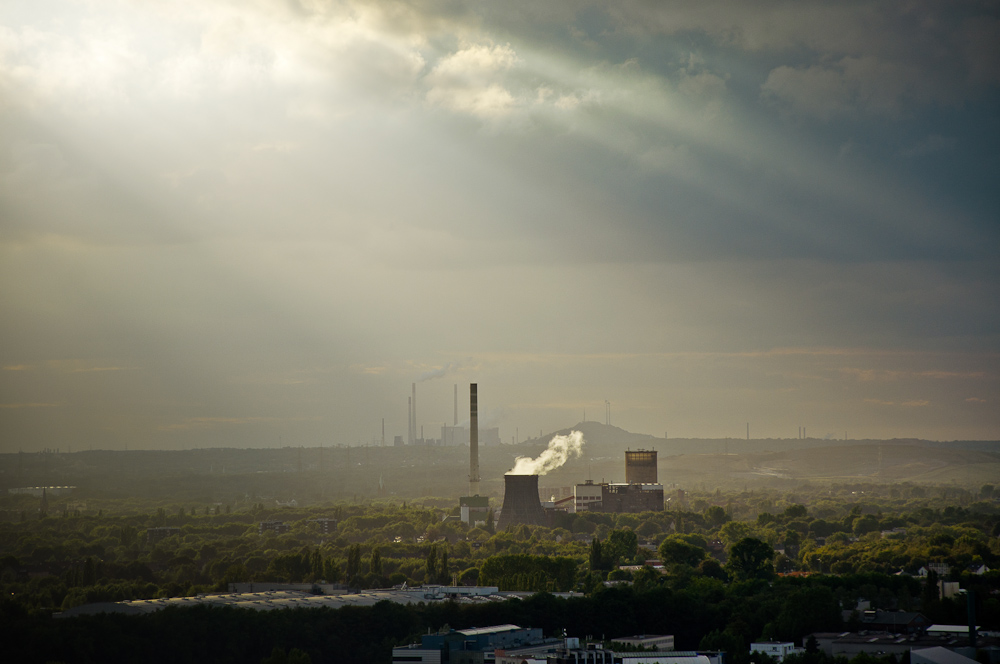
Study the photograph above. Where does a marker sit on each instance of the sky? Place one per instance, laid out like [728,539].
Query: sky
[257,222]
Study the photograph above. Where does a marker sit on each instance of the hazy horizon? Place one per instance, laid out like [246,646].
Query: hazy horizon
[228,224]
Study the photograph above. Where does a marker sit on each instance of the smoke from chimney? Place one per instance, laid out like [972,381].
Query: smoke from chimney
[559,451]
[441,372]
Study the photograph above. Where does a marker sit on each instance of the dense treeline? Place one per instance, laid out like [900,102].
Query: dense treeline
[701,612]
[57,560]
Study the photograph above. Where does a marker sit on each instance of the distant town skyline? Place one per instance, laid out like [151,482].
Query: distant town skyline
[225,224]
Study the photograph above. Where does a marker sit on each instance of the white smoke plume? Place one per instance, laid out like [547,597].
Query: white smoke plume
[441,372]
[559,451]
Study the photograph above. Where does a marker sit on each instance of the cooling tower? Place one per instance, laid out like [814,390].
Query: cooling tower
[640,467]
[473,439]
[520,502]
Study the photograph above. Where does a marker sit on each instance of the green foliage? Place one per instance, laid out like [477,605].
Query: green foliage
[527,572]
[716,515]
[353,565]
[750,559]
[295,656]
[431,571]
[443,575]
[805,611]
[105,552]
[795,512]
[596,556]
[674,550]
[621,544]
[375,562]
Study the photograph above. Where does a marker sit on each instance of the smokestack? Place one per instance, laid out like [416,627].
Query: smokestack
[414,411]
[456,404]
[474,440]
[520,502]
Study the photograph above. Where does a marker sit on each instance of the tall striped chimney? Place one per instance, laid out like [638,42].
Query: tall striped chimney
[473,440]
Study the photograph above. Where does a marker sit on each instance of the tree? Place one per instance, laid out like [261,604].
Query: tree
[596,557]
[792,542]
[808,610]
[294,656]
[645,578]
[331,570]
[795,511]
[750,558]
[353,562]
[711,568]
[431,567]
[930,593]
[621,544]
[443,576]
[316,564]
[716,515]
[728,640]
[375,564]
[675,551]
[866,524]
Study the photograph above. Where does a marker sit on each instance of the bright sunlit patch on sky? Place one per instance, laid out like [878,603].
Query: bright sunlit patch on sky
[222,222]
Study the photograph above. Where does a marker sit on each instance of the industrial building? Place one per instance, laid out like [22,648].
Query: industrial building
[631,498]
[849,644]
[451,436]
[661,642]
[511,644]
[467,646]
[639,493]
[777,650]
[293,597]
[521,503]
[640,467]
[562,651]
[587,496]
[474,510]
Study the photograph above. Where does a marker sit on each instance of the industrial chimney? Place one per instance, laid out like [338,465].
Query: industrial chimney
[413,415]
[520,502]
[474,440]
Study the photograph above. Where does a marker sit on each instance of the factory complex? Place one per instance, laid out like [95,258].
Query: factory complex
[640,492]
[511,644]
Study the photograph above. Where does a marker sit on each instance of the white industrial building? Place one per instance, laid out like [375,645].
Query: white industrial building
[776,649]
